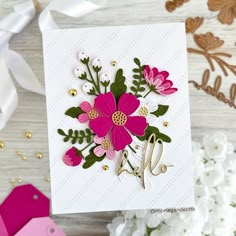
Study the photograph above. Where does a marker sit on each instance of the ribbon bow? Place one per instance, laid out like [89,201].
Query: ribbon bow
[12,62]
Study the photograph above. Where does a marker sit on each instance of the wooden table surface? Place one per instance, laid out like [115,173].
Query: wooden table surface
[207,113]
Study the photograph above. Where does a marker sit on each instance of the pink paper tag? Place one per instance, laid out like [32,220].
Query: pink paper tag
[43,226]
[23,203]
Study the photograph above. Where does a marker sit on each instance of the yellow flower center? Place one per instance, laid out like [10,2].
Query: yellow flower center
[92,114]
[143,111]
[119,118]
[106,144]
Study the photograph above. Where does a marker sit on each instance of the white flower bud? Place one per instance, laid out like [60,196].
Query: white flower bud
[78,72]
[105,78]
[97,63]
[82,56]
[87,87]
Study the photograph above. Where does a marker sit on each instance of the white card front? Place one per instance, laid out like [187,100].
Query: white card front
[118,118]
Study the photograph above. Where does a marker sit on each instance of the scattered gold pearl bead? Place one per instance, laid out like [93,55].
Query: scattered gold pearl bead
[114,63]
[24,158]
[19,153]
[47,179]
[19,180]
[136,146]
[163,169]
[2,144]
[73,92]
[166,123]
[105,167]
[28,135]
[39,155]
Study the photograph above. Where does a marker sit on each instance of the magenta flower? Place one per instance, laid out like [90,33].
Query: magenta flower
[118,119]
[105,147]
[157,81]
[90,112]
[73,157]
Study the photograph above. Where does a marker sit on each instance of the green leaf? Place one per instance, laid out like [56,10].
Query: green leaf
[74,112]
[99,159]
[61,132]
[137,62]
[89,161]
[161,110]
[150,130]
[66,139]
[118,87]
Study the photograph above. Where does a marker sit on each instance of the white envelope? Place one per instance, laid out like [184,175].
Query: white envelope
[76,189]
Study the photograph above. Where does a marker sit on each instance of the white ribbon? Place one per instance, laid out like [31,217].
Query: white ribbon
[13,62]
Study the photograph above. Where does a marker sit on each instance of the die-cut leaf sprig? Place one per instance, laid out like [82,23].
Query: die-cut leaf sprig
[150,130]
[118,87]
[92,159]
[79,136]
[138,81]
[208,42]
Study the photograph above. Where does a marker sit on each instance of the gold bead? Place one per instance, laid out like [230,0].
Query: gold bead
[19,180]
[163,169]
[73,92]
[47,179]
[19,153]
[136,146]
[39,155]
[166,123]
[105,167]
[24,158]
[114,63]
[28,135]
[2,144]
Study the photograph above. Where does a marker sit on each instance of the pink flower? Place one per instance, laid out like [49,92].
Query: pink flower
[90,112]
[73,157]
[157,81]
[105,147]
[117,119]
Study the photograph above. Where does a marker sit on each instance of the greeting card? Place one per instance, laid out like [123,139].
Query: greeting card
[118,118]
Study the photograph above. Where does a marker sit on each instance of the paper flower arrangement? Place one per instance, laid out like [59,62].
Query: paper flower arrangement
[117,113]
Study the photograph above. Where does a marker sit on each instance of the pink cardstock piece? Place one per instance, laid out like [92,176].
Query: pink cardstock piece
[43,226]
[22,204]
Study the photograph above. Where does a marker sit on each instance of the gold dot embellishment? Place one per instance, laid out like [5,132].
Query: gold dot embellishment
[73,92]
[2,145]
[119,118]
[28,135]
[105,167]
[47,179]
[114,63]
[163,169]
[39,155]
[166,124]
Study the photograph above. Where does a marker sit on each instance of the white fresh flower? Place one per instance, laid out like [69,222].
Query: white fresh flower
[145,109]
[78,72]
[96,63]
[221,217]
[82,56]
[223,195]
[134,213]
[230,163]
[165,230]
[87,87]
[213,174]
[105,78]
[156,218]
[216,146]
